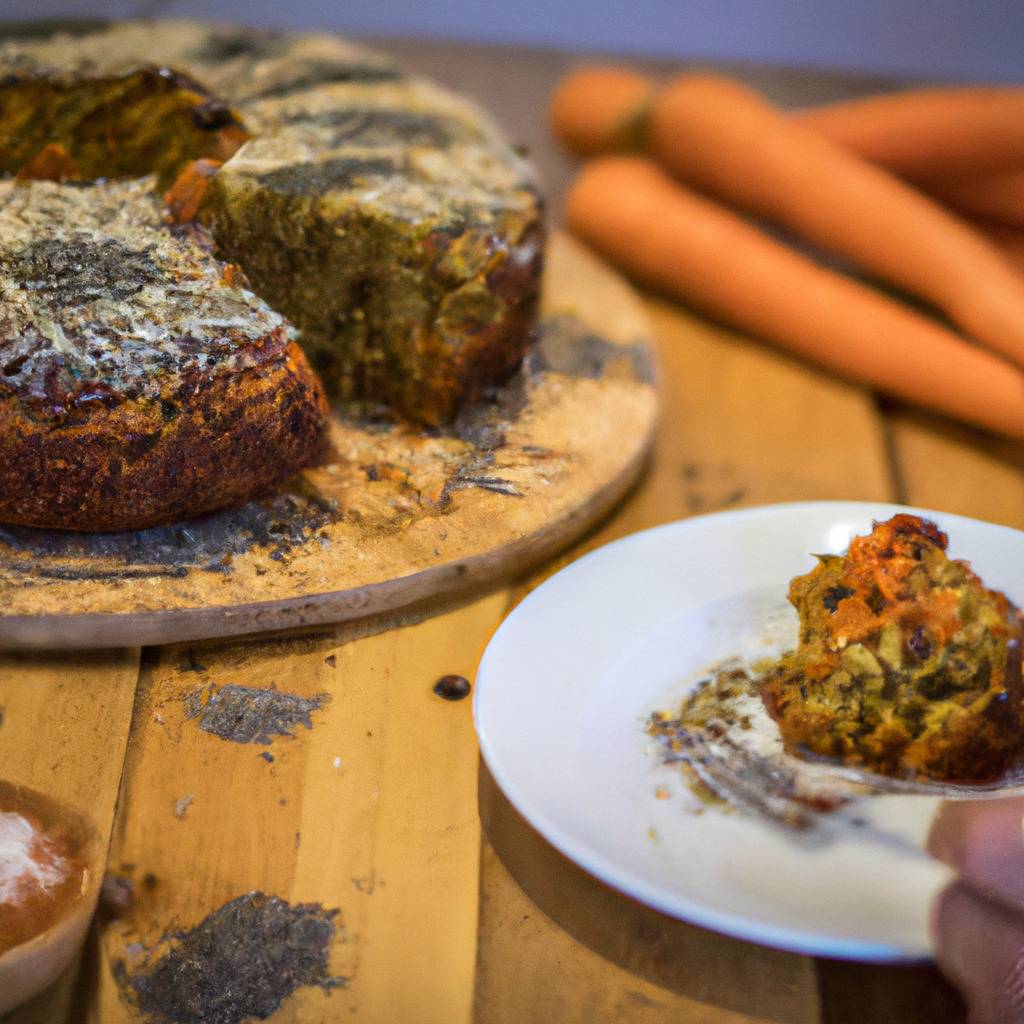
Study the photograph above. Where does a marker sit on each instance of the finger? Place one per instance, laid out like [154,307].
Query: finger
[983,841]
[980,946]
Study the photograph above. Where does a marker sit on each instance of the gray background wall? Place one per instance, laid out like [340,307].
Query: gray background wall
[974,39]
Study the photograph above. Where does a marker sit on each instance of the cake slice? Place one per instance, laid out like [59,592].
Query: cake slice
[906,665]
[389,224]
[141,382]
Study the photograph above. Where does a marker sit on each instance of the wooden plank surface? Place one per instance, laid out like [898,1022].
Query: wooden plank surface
[437,923]
[947,466]
[558,945]
[368,811]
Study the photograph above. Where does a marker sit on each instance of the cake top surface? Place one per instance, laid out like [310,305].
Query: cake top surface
[99,299]
[241,63]
[407,150]
[329,117]
[305,136]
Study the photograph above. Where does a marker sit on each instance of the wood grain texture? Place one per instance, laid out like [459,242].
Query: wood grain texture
[952,468]
[65,723]
[371,811]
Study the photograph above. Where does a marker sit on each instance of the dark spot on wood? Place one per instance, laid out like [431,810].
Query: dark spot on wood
[191,663]
[452,687]
[331,660]
[475,474]
[68,572]
[568,347]
[366,884]
[267,756]
[116,895]
[247,714]
[241,962]
[279,525]
[149,880]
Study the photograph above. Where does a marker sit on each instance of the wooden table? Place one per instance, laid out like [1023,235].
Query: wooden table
[376,809]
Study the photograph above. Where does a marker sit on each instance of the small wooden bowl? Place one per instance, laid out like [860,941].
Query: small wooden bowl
[28,968]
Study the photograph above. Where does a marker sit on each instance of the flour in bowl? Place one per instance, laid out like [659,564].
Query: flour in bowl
[30,863]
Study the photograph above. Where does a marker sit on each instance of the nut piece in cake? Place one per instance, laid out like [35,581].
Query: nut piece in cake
[906,664]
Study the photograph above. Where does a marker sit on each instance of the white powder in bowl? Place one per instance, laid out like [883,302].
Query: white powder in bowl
[28,860]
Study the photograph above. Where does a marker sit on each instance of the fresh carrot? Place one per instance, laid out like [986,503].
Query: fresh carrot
[995,197]
[728,141]
[1009,242]
[930,134]
[598,110]
[701,253]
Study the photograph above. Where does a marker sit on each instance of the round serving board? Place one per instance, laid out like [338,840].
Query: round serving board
[397,515]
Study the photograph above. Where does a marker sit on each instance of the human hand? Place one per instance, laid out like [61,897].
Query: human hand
[978,921]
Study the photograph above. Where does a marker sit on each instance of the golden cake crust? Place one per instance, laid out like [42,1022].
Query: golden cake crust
[114,465]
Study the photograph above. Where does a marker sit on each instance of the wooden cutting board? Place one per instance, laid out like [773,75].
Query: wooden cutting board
[397,516]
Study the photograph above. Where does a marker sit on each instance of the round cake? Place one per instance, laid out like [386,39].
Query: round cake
[192,217]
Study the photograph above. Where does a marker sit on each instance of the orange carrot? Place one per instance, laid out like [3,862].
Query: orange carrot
[699,252]
[1009,242]
[605,110]
[598,110]
[930,134]
[728,141]
[995,197]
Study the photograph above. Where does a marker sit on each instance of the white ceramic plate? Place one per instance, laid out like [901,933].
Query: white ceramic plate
[568,681]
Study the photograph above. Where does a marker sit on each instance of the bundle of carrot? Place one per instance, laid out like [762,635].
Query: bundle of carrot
[861,179]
